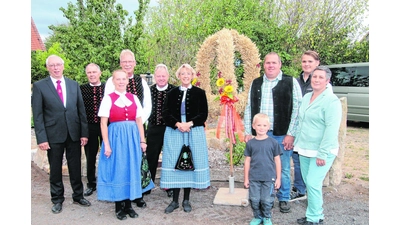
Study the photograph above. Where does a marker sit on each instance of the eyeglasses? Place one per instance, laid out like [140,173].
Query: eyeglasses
[54,65]
[127,62]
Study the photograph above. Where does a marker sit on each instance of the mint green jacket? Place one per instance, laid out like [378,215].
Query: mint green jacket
[318,124]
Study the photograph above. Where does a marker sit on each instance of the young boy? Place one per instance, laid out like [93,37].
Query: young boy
[262,170]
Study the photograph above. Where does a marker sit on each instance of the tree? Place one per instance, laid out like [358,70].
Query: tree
[172,32]
[327,26]
[38,61]
[97,32]
[177,28]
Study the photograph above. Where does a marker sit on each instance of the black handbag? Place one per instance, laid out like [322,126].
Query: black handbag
[185,159]
[145,172]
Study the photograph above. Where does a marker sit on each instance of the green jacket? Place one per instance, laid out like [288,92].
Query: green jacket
[318,124]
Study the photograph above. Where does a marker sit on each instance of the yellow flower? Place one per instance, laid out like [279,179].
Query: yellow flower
[228,89]
[194,81]
[220,82]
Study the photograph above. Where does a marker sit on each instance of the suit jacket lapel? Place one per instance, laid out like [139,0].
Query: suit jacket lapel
[53,89]
[70,91]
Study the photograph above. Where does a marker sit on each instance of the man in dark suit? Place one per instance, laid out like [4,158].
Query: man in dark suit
[60,124]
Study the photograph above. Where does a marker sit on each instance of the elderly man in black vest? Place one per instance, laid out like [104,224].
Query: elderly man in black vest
[156,125]
[279,96]
[92,94]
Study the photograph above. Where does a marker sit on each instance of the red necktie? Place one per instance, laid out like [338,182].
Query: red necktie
[59,91]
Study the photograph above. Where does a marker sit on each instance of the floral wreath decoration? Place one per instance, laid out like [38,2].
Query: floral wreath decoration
[222,46]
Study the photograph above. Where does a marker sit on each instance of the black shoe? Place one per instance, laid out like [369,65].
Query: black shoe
[57,208]
[186,206]
[121,215]
[140,203]
[304,221]
[83,202]
[284,206]
[131,213]
[311,223]
[172,206]
[147,192]
[170,192]
[89,191]
[296,195]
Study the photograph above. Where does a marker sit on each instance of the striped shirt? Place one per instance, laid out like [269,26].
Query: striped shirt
[267,104]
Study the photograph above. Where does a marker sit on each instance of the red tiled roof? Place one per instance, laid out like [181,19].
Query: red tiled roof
[36,40]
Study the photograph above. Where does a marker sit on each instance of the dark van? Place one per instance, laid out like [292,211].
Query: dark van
[352,81]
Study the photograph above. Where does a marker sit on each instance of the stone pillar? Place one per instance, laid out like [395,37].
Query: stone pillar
[39,157]
[335,174]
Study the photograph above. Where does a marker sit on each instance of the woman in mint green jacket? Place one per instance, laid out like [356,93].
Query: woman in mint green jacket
[316,140]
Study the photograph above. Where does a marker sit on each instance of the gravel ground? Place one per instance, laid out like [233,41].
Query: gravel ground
[346,204]
[339,209]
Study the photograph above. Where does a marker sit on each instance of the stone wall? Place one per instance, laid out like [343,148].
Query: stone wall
[40,159]
[335,174]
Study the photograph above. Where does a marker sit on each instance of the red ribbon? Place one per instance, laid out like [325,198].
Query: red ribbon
[232,120]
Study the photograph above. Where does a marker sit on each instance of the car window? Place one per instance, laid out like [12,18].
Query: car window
[342,76]
[350,76]
[362,77]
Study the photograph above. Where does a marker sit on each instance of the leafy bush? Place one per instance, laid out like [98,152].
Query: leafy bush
[237,152]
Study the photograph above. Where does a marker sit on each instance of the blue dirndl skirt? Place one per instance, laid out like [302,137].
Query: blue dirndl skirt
[119,176]
[173,141]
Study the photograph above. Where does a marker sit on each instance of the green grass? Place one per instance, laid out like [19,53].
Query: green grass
[351,131]
[349,175]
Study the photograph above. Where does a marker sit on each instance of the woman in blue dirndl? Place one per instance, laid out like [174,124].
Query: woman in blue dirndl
[119,176]
[185,112]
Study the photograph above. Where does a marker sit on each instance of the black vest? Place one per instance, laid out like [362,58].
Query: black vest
[135,87]
[304,85]
[157,99]
[282,95]
[92,97]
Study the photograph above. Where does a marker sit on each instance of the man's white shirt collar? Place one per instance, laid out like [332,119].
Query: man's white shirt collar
[162,88]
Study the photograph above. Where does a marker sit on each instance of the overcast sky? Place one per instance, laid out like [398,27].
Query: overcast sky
[46,12]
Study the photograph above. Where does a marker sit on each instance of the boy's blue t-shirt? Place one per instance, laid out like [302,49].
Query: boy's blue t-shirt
[262,163]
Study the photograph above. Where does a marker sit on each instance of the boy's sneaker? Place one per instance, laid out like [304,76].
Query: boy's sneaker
[267,221]
[295,195]
[255,221]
